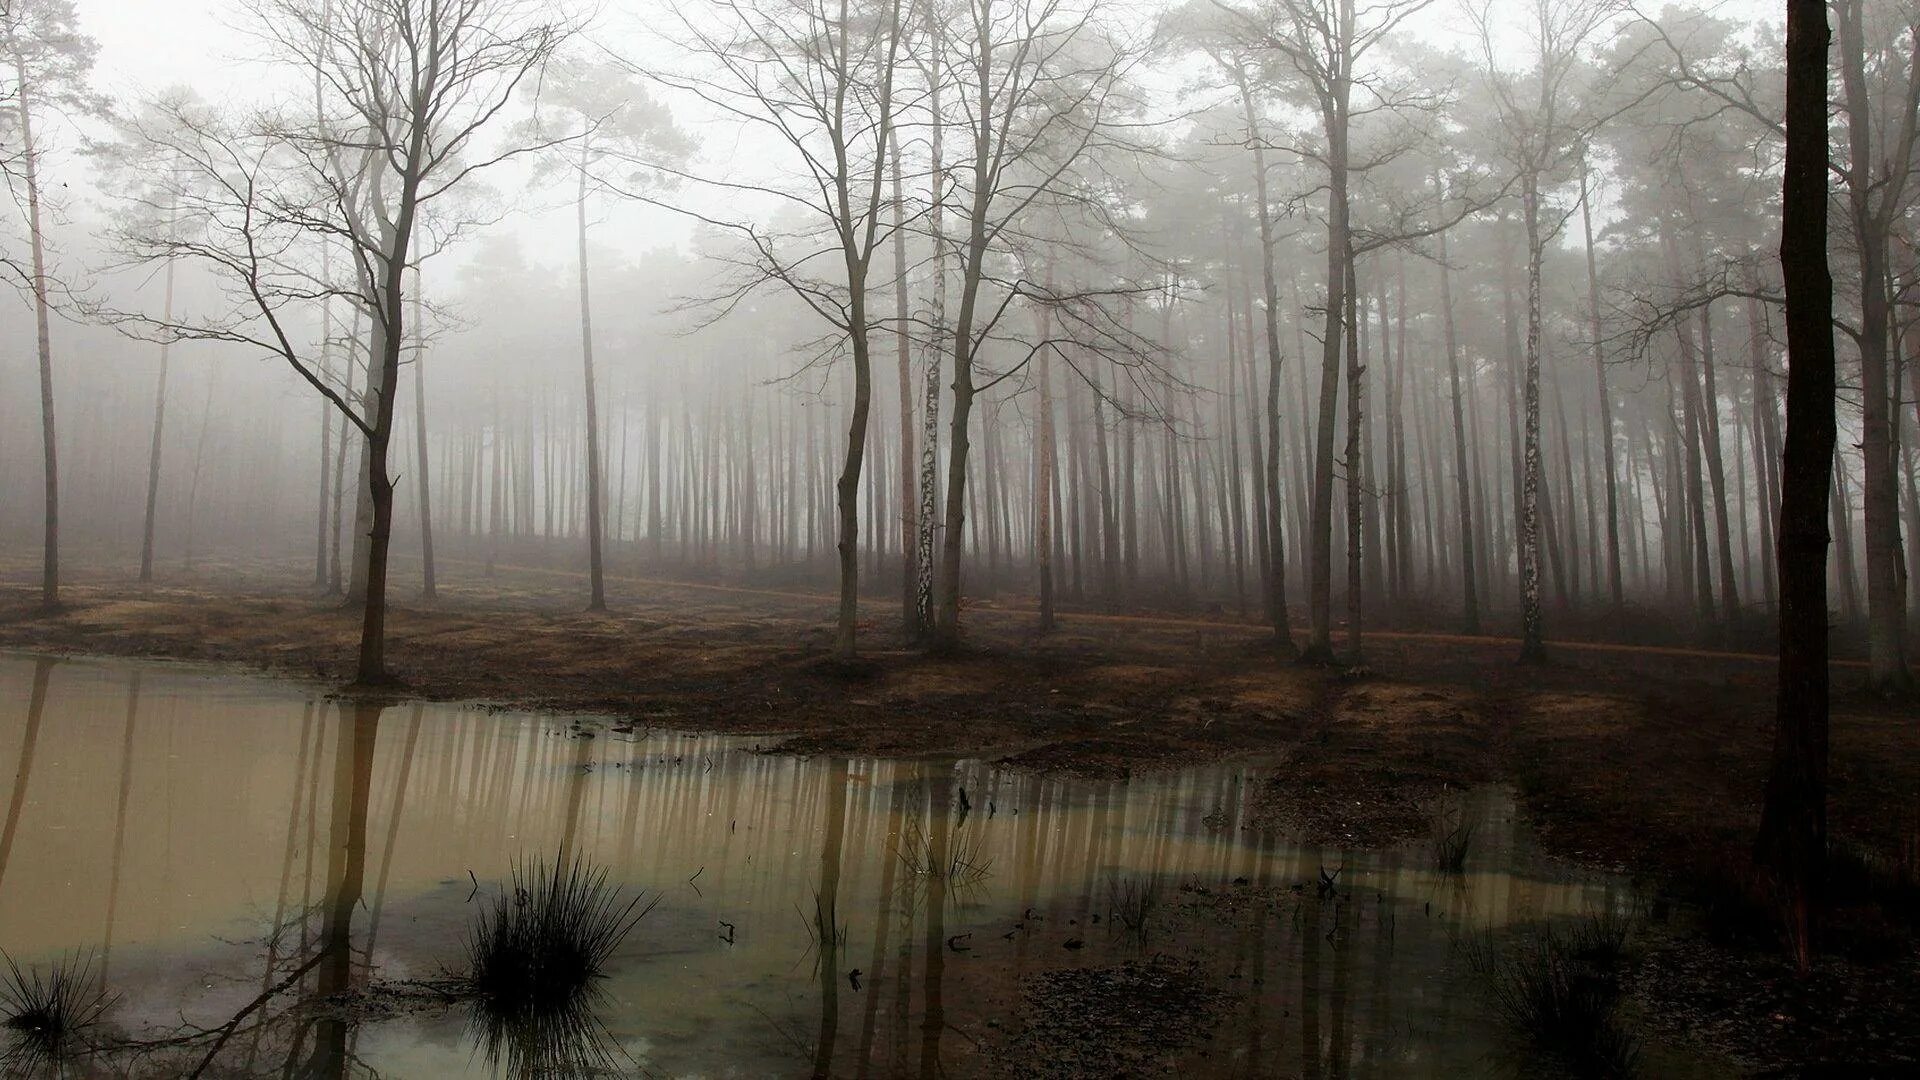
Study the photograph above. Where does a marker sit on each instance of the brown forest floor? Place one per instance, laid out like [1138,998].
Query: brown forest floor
[1646,759]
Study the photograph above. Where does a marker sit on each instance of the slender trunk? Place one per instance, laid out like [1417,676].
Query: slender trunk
[923,603]
[1339,256]
[153,456]
[325,519]
[43,341]
[973,269]
[1764,461]
[1463,473]
[420,443]
[847,489]
[1701,564]
[909,519]
[1615,592]
[391,331]
[1874,188]
[1045,480]
[597,587]
[1355,466]
[374,389]
[1533,646]
[1717,471]
[340,467]
[1276,570]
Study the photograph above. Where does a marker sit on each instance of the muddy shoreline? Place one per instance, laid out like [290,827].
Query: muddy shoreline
[1617,753]
[1645,763]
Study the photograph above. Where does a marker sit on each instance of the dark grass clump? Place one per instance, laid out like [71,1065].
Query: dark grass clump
[966,862]
[1559,990]
[50,1018]
[825,925]
[535,957]
[1452,840]
[1131,903]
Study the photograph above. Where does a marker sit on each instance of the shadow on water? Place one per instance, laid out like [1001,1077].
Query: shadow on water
[282,883]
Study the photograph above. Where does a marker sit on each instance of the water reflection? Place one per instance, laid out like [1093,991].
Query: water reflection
[23,773]
[329,1025]
[253,848]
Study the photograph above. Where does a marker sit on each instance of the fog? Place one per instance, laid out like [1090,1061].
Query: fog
[1155,538]
[1120,273]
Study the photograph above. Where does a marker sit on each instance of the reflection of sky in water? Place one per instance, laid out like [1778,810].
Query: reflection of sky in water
[167,816]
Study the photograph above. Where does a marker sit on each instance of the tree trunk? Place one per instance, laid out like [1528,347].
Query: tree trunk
[43,340]
[1887,670]
[159,424]
[390,331]
[596,573]
[1793,825]
[847,489]
[1615,593]
[1533,644]
[1463,472]
[909,518]
[1766,460]
[374,390]
[1045,480]
[1276,571]
[420,443]
[1339,258]
[1356,466]
[321,545]
[1717,472]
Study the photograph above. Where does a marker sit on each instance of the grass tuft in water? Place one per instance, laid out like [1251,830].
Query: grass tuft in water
[1452,838]
[1132,902]
[825,925]
[1560,991]
[535,956]
[49,1017]
[966,861]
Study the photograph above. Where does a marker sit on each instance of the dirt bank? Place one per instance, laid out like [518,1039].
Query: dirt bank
[1632,758]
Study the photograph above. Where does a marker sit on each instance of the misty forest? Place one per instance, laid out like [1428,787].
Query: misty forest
[1029,538]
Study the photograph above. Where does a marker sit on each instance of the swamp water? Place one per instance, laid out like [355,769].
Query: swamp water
[216,842]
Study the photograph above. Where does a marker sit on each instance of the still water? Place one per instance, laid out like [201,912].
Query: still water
[216,841]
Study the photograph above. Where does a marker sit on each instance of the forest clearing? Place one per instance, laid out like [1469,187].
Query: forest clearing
[1003,538]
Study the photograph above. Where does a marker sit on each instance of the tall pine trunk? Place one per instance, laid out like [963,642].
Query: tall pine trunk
[597,594]
[159,425]
[1873,189]
[427,589]
[1533,642]
[1792,843]
[30,165]
[909,518]
[1463,471]
[1276,571]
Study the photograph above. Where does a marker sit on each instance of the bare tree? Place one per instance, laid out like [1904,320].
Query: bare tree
[128,166]
[1040,97]
[49,60]
[1883,130]
[820,78]
[1324,44]
[1541,137]
[410,87]
[610,120]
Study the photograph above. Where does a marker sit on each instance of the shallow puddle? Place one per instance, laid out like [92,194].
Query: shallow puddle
[220,843]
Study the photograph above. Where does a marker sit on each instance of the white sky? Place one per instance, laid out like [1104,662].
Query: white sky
[148,45]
